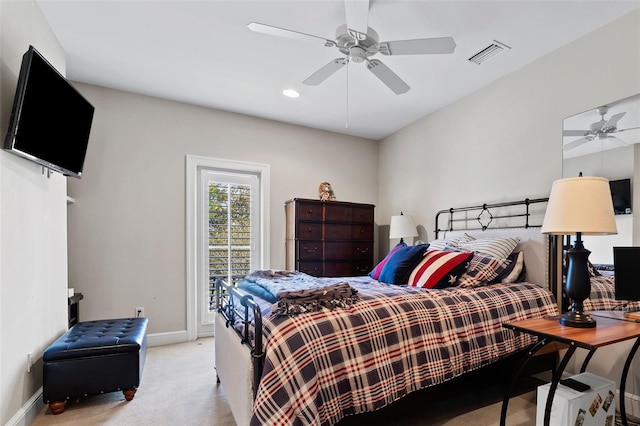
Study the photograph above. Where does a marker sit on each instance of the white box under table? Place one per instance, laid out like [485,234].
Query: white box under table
[596,406]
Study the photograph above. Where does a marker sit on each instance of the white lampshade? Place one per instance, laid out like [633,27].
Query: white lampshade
[580,204]
[402,226]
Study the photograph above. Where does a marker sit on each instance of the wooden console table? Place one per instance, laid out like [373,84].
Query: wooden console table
[611,327]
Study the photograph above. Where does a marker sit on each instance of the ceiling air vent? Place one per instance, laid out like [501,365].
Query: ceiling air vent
[488,52]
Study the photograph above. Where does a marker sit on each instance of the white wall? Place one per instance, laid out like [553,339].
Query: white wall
[127,226]
[33,235]
[505,141]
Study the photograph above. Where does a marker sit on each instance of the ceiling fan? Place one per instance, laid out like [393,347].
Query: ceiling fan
[358,42]
[601,130]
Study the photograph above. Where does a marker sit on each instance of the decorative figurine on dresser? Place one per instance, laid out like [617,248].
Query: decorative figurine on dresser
[329,239]
[325,192]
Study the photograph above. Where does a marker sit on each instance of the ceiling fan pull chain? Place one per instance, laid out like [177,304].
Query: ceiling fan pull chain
[346,124]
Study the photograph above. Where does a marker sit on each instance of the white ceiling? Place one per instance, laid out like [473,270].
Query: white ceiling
[202,53]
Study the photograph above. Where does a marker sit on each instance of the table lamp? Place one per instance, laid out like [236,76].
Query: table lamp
[402,226]
[579,206]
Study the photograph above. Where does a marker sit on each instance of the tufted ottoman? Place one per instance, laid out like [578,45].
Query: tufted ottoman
[95,357]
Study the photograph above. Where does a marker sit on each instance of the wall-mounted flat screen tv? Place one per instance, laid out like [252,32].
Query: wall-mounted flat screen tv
[50,120]
[621,195]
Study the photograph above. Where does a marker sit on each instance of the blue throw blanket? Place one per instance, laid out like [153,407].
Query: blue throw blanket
[294,292]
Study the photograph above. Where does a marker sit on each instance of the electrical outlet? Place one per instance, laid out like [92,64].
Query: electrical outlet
[139,312]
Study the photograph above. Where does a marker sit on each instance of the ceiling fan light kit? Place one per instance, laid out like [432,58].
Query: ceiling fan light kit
[359,42]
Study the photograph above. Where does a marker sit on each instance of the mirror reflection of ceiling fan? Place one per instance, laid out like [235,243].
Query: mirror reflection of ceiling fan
[358,43]
[601,130]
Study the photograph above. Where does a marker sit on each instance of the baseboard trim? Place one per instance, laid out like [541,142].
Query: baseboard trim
[28,412]
[631,404]
[168,338]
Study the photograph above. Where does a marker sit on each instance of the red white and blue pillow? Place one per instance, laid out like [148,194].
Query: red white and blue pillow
[439,269]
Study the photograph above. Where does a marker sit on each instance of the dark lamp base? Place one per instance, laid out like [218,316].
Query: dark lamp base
[577,319]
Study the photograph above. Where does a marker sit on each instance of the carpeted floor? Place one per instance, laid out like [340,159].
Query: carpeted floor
[179,387]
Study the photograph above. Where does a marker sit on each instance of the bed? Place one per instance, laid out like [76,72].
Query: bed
[321,365]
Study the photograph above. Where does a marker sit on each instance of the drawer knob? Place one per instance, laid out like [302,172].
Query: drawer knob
[364,250]
[310,250]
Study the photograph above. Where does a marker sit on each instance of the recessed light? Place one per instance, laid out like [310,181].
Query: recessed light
[290,93]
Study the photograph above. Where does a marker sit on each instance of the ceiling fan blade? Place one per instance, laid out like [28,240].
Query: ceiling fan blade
[576,143]
[357,14]
[611,123]
[388,77]
[283,32]
[419,46]
[628,128]
[325,72]
[575,132]
[617,141]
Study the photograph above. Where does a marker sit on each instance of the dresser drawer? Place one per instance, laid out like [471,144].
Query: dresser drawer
[337,213]
[338,250]
[315,269]
[348,250]
[362,215]
[338,269]
[362,232]
[309,231]
[308,250]
[337,231]
[361,268]
[309,211]
[363,250]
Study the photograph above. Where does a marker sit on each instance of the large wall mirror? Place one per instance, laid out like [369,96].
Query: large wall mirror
[605,141]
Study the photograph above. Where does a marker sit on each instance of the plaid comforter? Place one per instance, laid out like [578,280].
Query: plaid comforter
[603,296]
[323,366]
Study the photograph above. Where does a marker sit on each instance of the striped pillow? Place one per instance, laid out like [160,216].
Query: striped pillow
[439,269]
[443,243]
[494,247]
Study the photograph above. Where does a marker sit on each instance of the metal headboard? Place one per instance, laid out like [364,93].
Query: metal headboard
[485,216]
[511,215]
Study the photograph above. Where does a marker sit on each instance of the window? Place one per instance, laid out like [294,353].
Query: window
[231,227]
[227,232]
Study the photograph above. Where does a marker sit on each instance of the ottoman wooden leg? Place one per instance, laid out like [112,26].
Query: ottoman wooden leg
[129,393]
[57,407]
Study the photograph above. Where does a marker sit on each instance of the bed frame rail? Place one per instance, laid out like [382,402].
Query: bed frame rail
[235,306]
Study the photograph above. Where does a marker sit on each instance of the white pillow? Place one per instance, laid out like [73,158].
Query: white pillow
[443,243]
[494,247]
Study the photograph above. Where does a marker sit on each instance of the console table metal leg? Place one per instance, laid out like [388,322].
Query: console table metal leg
[555,381]
[587,359]
[505,401]
[623,380]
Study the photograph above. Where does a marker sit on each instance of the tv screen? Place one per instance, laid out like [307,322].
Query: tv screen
[621,195]
[50,120]
[625,278]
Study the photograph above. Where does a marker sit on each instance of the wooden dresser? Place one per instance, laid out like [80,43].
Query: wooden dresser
[329,238]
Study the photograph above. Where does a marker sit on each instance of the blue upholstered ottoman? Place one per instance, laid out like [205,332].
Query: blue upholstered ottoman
[95,357]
